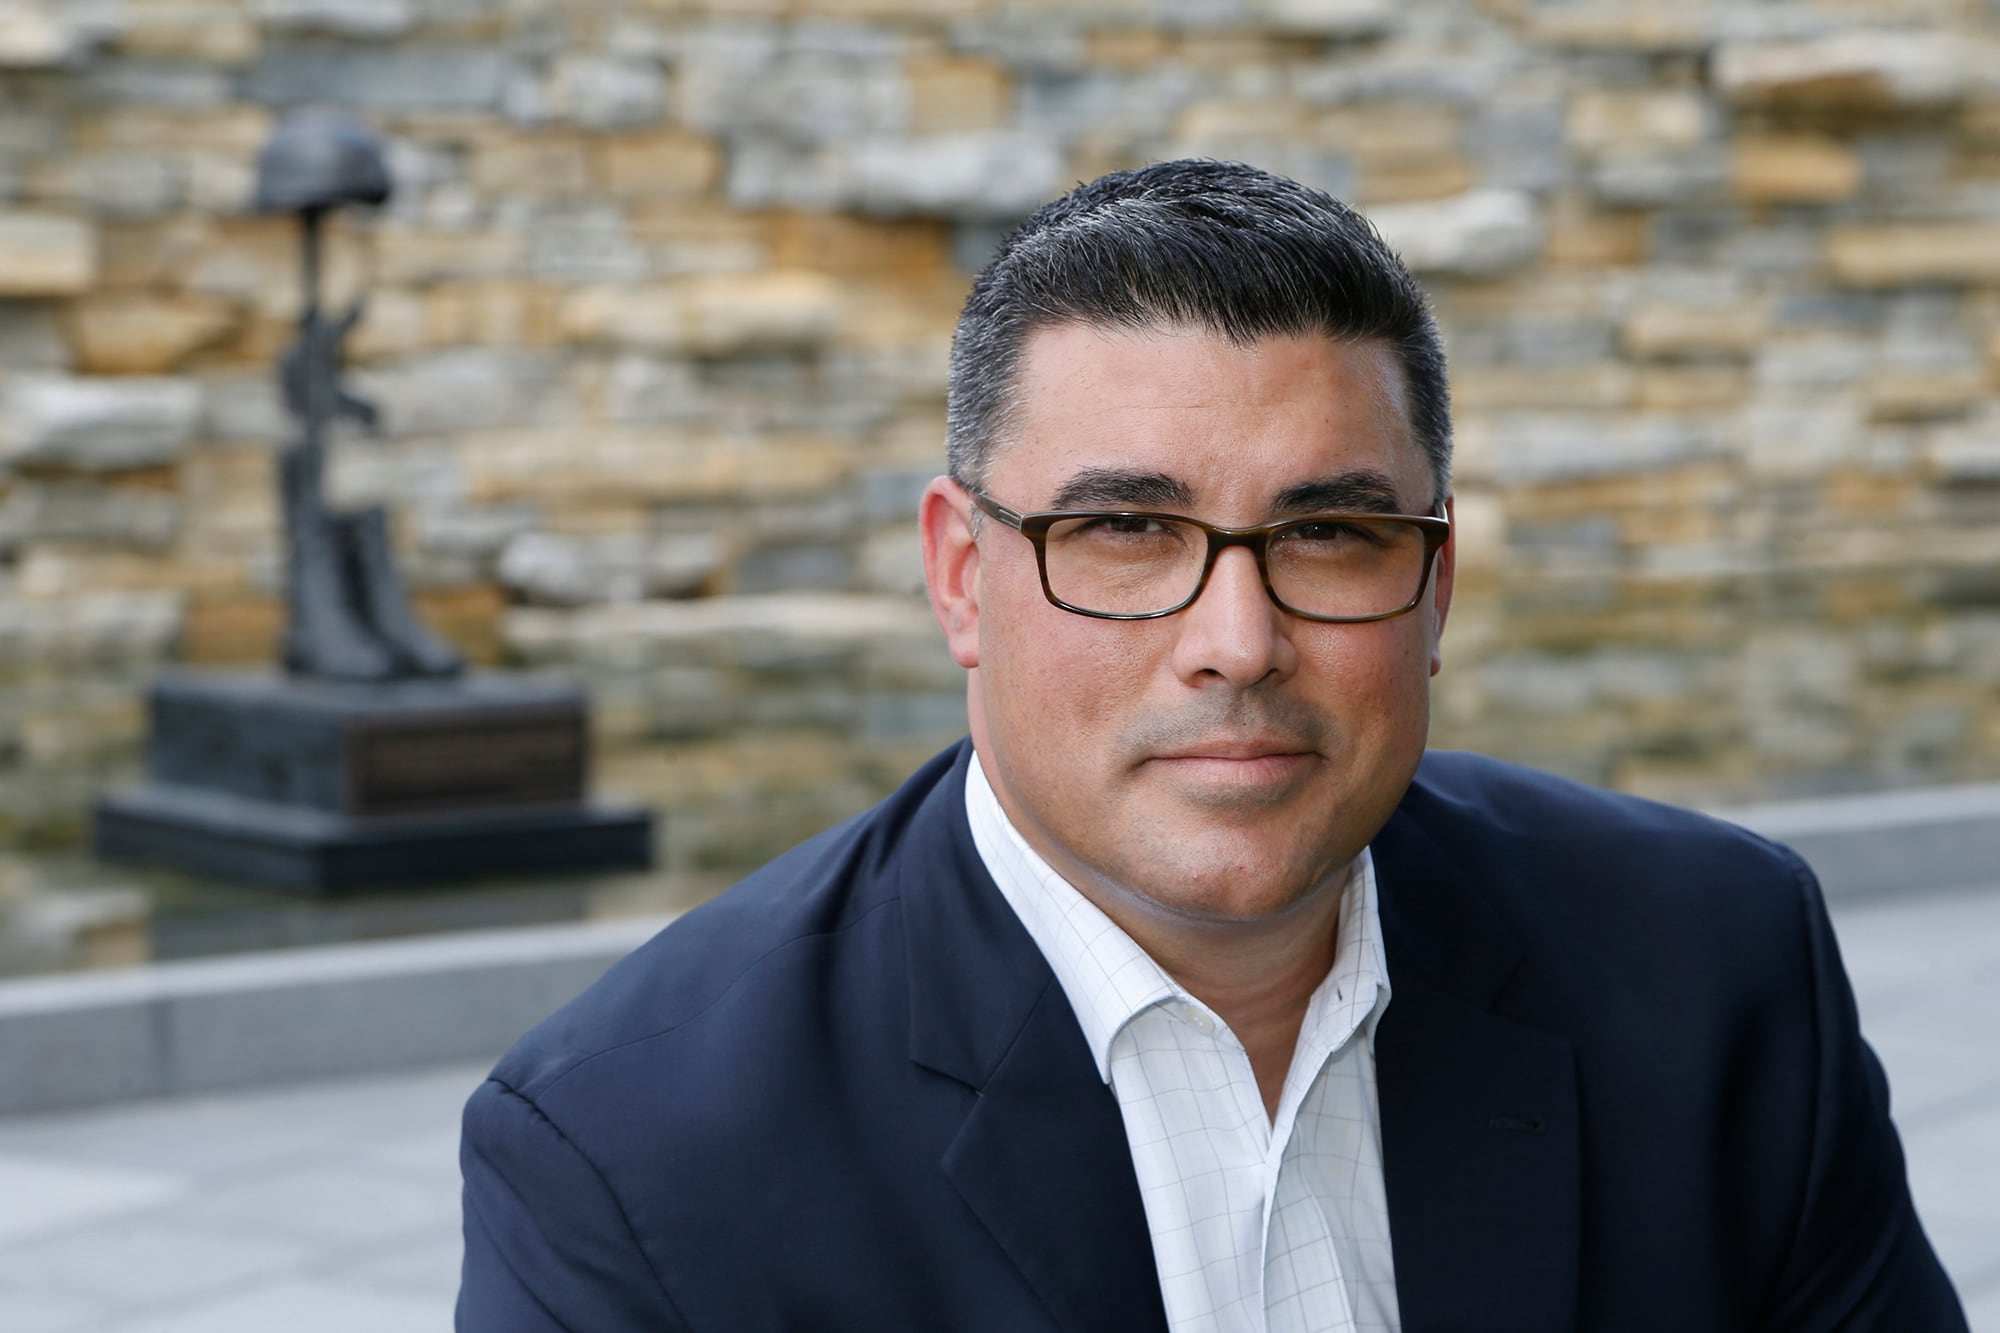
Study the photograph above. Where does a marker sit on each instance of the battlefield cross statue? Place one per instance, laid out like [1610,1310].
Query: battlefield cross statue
[349,616]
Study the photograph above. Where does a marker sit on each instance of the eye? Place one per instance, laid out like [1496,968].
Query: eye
[1121,525]
[1331,532]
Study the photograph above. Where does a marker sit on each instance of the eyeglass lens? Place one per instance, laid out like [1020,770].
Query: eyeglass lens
[1128,565]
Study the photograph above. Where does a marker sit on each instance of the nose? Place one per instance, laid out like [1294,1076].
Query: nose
[1233,632]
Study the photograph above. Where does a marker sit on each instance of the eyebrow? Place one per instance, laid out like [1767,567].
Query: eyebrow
[1359,491]
[1116,486]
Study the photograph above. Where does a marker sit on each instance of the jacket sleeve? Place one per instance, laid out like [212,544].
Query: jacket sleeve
[1859,1261]
[547,1244]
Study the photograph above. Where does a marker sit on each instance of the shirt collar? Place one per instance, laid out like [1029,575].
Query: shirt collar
[1109,980]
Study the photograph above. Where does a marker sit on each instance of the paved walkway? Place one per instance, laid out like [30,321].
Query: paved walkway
[334,1206]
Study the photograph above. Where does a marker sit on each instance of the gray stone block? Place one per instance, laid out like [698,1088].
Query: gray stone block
[162,83]
[62,511]
[607,92]
[366,20]
[467,388]
[982,174]
[1483,233]
[413,77]
[98,425]
[29,338]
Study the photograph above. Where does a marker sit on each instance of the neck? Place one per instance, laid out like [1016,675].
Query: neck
[1258,976]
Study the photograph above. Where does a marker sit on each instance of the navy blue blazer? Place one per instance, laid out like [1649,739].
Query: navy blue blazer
[1621,1088]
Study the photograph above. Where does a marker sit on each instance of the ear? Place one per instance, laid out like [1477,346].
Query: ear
[951,566]
[1443,574]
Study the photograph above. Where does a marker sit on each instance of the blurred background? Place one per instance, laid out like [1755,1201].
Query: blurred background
[658,321]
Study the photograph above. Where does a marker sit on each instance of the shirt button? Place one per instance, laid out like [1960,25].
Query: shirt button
[1197,1020]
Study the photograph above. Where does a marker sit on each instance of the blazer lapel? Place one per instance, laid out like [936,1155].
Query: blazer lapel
[1480,1141]
[1041,1158]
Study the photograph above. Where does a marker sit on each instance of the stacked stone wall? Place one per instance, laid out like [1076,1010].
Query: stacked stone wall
[658,322]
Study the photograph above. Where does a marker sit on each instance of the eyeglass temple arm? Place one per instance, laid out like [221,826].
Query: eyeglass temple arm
[992,506]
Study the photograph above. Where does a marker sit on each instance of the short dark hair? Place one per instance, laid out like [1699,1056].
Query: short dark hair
[1216,245]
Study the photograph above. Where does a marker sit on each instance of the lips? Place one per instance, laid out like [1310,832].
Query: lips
[1237,750]
[1239,767]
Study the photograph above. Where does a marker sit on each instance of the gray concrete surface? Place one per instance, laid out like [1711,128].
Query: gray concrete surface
[206,1024]
[334,1205]
[171,1029]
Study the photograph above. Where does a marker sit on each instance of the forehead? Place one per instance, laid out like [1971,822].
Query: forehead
[1229,423]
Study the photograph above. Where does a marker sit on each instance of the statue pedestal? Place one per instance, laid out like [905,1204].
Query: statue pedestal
[317,786]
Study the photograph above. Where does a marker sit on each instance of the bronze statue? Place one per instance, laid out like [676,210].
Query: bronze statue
[349,615]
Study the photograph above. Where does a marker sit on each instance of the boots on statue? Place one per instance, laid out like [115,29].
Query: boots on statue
[378,593]
[326,636]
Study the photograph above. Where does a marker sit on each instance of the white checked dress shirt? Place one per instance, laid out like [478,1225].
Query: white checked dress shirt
[1257,1224]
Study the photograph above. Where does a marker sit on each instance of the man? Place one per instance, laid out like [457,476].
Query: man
[1190,994]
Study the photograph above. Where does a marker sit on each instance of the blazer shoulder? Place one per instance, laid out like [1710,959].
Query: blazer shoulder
[1461,796]
[817,895]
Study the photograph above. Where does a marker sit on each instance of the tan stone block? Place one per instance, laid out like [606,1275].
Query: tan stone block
[231,500]
[795,466]
[256,262]
[1221,120]
[542,166]
[914,10]
[649,316]
[715,315]
[217,31]
[1391,133]
[1691,388]
[958,93]
[467,616]
[395,323]
[237,130]
[136,333]
[1670,525]
[671,164]
[154,253]
[903,313]
[1979,121]
[1127,48]
[1650,27]
[596,518]
[492,312]
[234,630]
[1504,388]
[562,466]
[1793,169]
[1605,118]
[699,236]
[1421,178]
[1852,492]
[52,571]
[415,256]
[1695,330]
[838,244]
[46,254]
[1577,236]
[1909,395]
[1915,253]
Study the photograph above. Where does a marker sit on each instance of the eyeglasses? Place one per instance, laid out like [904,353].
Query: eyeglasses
[1119,564]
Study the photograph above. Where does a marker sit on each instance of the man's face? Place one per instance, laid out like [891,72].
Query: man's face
[1220,763]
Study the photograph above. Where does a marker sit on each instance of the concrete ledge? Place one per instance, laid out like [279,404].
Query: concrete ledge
[1890,843]
[203,1025]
